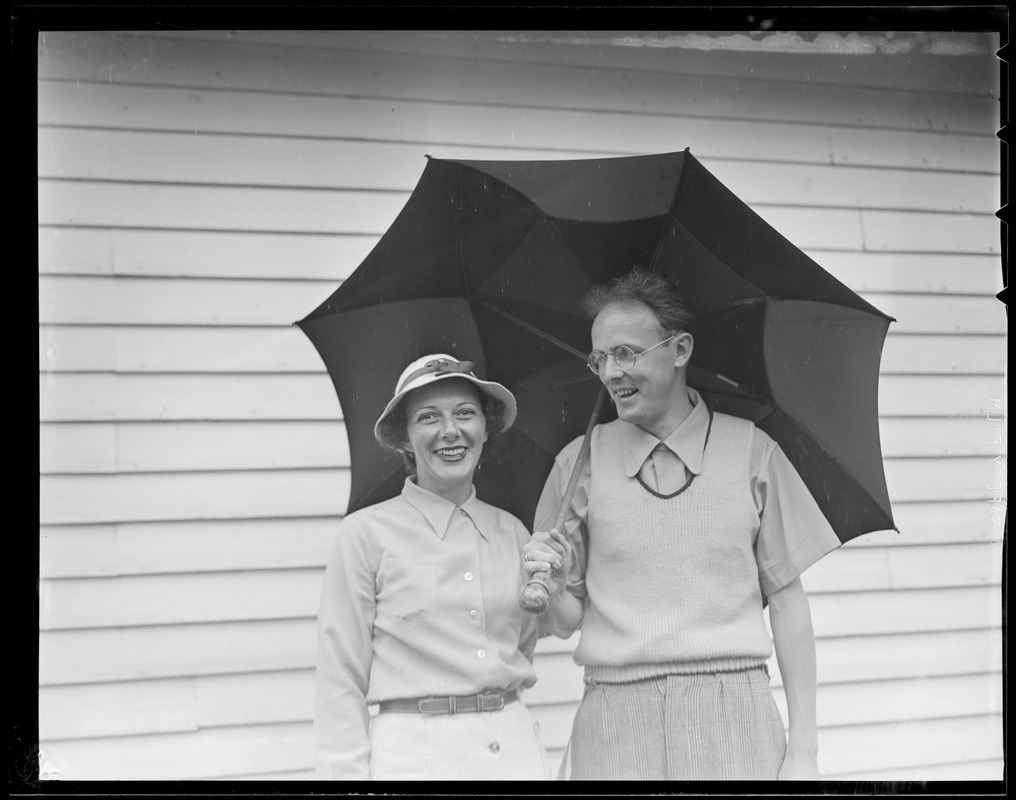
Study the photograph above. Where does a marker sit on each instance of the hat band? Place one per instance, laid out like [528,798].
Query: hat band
[439,366]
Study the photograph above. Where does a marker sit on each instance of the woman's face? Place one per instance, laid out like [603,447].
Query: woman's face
[446,429]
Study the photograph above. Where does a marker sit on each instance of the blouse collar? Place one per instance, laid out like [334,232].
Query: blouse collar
[438,511]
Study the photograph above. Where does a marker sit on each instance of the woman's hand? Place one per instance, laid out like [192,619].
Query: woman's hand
[548,551]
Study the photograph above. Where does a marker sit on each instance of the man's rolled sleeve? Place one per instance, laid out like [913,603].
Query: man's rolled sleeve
[575,521]
[793,532]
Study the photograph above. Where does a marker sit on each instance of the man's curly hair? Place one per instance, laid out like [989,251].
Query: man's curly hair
[661,295]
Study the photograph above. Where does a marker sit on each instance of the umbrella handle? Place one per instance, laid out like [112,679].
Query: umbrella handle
[535,597]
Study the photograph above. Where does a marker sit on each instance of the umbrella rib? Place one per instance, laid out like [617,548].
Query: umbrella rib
[533,329]
[551,384]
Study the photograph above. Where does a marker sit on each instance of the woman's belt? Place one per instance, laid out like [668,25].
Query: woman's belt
[470,703]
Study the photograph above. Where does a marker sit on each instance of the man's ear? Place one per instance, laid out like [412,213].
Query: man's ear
[684,343]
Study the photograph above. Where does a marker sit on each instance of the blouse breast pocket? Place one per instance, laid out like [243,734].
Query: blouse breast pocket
[406,589]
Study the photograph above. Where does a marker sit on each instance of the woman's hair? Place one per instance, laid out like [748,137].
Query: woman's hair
[661,295]
[393,429]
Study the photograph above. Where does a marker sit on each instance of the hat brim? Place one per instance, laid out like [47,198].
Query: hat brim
[495,391]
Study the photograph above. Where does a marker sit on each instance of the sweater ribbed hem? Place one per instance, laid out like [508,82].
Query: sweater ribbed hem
[639,672]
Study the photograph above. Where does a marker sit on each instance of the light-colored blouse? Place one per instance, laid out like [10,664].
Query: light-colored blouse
[420,598]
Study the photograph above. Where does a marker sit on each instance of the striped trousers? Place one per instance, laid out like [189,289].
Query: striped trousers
[717,726]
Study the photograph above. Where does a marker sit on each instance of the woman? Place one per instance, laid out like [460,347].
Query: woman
[419,611]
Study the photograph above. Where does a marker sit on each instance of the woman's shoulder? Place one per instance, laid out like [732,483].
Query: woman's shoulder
[361,534]
[366,519]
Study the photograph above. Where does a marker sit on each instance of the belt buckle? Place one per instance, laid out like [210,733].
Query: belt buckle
[482,701]
[438,705]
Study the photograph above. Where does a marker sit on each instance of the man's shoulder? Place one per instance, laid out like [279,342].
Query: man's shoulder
[740,424]
[570,451]
[730,420]
[604,431]
[759,444]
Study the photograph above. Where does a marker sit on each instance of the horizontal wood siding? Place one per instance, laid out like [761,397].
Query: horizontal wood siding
[200,192]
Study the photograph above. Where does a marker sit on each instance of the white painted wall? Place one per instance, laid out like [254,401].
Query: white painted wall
[199,192]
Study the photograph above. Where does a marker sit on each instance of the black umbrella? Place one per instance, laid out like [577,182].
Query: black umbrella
[488,261]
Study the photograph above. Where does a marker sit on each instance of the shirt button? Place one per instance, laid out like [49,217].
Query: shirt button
[474,614]
[468,576]
[495,747]
[481,653]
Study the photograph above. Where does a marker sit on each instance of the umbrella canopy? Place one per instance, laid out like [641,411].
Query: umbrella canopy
[488,261]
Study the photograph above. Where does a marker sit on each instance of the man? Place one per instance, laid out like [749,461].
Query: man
[684,524]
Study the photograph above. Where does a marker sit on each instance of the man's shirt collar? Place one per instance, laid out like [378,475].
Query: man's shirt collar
[687,442]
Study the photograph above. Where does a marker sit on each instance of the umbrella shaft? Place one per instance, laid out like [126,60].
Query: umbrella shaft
[573,481]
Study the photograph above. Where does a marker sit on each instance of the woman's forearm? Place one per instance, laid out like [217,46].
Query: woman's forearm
[564,615]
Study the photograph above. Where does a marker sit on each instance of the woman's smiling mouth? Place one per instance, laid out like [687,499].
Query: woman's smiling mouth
[451,453]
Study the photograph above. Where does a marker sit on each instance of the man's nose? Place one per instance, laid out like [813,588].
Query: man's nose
[611,370]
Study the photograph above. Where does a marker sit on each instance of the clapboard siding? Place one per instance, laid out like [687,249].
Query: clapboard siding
[658,52]
[80,397]
[867,568]
[239,647]
[266,749]
[118,251]
[99,348]
[855,748]
[171,599]
[160,110]
[150,205]
[94,300]
[987,770]
[77,550]
[138,397]
[158,447]
[199,192]
[171,547]
[151,61]
[211,254]
[225,494]
[188,704]
[278,594]
[76,656]
[969,771]
[319,211]
[204,753]
[104,447]
[103,156]
[140,497]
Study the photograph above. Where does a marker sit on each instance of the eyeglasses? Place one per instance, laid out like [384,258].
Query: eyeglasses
[624,356]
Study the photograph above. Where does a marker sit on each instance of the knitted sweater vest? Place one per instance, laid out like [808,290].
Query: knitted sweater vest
[673,586]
